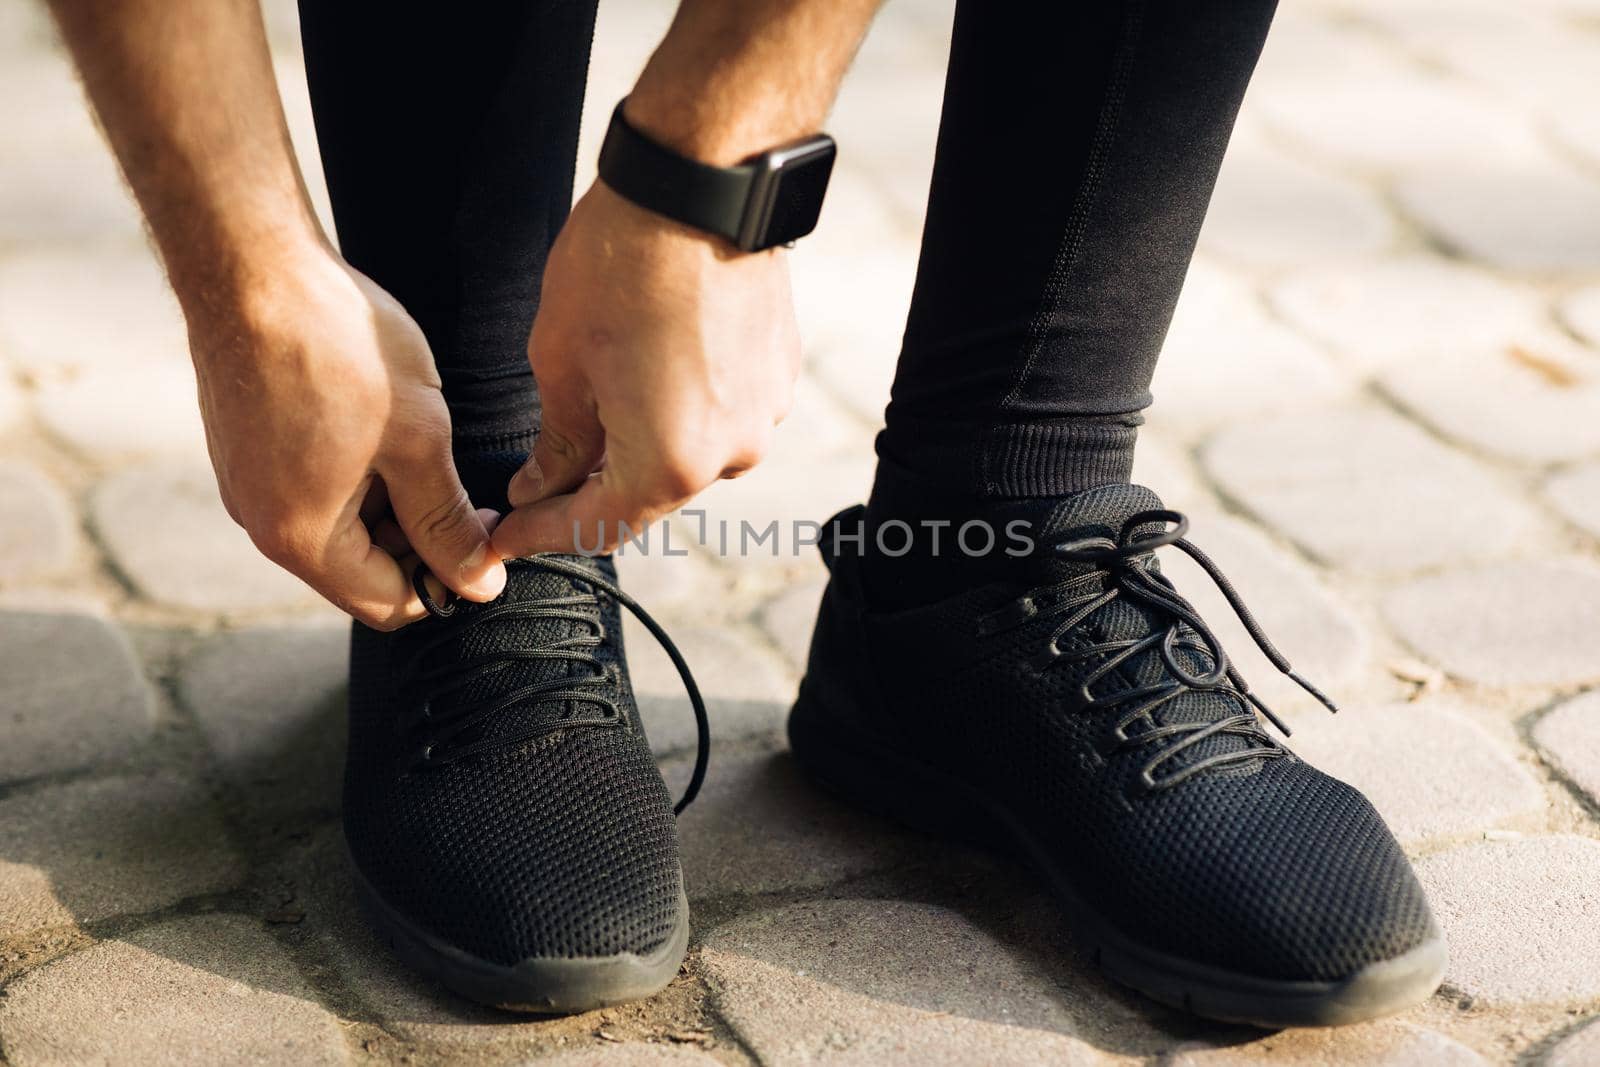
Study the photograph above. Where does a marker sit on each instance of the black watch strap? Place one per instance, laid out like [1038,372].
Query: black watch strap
[768,200]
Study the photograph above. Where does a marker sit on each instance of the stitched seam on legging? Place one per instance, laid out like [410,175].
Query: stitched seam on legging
[1108,126]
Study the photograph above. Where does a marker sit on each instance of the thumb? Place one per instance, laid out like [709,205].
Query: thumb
[439,521]
[569,447]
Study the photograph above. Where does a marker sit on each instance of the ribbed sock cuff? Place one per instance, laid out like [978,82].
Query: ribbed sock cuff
[1011,461]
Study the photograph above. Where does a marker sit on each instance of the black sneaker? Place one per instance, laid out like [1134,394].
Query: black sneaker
[510,833]
[1080,715]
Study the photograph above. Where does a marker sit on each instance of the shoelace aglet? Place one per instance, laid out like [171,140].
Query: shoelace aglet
[1271,715]
[1322,698]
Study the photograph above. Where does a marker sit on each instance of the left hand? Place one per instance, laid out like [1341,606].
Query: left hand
[664,357]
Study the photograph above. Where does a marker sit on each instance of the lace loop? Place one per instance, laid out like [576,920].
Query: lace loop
[577,649]
[1119,569]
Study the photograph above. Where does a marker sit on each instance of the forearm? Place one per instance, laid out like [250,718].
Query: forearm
[186,94]
[734,77]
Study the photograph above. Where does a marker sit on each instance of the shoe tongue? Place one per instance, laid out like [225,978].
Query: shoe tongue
[1098,512]
[524,584]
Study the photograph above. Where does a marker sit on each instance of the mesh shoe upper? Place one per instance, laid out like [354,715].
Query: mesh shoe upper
[542,829]
[1255,863]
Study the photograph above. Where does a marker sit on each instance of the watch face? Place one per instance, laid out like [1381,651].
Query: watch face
[796,197]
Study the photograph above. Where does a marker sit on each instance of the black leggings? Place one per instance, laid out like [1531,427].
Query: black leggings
[1077,151]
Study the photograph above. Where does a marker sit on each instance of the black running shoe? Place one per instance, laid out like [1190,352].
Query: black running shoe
[510,833]
[1080,715]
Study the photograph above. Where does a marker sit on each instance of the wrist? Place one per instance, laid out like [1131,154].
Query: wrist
[240,271]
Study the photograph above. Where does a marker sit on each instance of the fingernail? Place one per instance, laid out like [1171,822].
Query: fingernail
[529,478]
[489,585]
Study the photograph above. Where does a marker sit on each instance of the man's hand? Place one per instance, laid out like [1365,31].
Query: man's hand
[668,354]
[323,412]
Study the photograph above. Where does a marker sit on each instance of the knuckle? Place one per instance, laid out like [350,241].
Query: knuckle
[449,522]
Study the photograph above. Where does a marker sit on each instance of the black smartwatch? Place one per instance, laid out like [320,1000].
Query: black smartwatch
[770,199]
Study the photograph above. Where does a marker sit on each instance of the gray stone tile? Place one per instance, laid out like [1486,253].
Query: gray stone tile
[1398,119]
[204,990]
[1576,494]
[91,850]
[1427,767]
[75,695]
[1271,210]
[38,530]
[1579,1049]
[1521,622]
[1534,400]
[747,689]
[1570,739]
[1225,358]
[1382,1044]
[789,618]
[898,982]
[1521,919]
[72,310]
[1581,312]
[408,1006]
[130,412]
[663,583]
[1358,487]
[759,825]
[167,531]
[1318,633]
[1396,309]
[1525,214]
[630,1054]
[271,703]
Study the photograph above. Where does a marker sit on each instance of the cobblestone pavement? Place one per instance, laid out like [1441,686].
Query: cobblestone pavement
[1380,401]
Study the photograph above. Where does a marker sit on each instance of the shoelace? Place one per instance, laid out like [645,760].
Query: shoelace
[591,689]
[1120,568]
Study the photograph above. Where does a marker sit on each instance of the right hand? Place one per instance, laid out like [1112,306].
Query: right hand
[331,440]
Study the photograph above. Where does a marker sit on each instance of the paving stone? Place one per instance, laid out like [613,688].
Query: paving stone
[167,531]
[852,321]
[75,695]
[1272,210]
[747,689]
[38,530]
[1534,401]
[72,196]
[1429,769]
[759,825]
[407,1005]
[203,990]
[1320,635]
[1390,311]
[1162,466]
[1399,119]
[1570,739]
[1225,358]
[1581,1049]
[1522,917]
[130,412]
[271,703]
[789,618]
[663,582]
[118,846]
[1518,51]
[11,402]
[630,1054]
[71,310]
[1521,622]
[1581,312]
[1576,494]
[1358,487]
[1578,131]
[1530,215]
[1382,1044]
[897,982]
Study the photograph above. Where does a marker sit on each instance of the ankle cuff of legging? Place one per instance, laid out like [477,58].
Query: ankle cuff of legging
[1016,460]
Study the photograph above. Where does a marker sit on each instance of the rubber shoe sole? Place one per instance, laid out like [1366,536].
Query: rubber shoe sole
[541,985]
[872,776]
